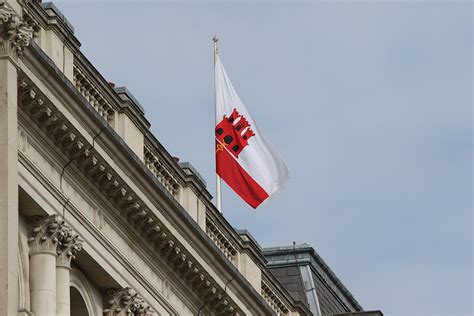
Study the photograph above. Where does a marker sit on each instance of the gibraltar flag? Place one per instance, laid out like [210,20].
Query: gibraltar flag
[245,159]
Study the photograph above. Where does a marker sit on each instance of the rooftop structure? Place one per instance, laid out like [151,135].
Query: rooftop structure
[309,279]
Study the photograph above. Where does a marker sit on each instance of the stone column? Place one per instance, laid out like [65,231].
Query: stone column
[69,245]
[44,241]
[15,35]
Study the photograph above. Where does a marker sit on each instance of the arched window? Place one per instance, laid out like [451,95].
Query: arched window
[85,299]
[78,306]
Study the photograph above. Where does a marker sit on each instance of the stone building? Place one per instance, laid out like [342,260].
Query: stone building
[96,217]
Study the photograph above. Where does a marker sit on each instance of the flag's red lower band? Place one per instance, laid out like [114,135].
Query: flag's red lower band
[238,179]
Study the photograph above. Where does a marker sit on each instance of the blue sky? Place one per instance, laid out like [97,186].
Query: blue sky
[368,102]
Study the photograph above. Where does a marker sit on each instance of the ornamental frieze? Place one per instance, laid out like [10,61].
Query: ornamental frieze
[93,166]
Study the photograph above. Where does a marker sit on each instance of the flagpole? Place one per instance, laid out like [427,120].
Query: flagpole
[218,179]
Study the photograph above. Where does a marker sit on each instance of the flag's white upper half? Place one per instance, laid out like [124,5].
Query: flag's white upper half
[260,159]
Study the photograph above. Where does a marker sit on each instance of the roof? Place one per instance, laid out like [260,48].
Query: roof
[284,262]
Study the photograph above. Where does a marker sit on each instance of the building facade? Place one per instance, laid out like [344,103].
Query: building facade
[96,217]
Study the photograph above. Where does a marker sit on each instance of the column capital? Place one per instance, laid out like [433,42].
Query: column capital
[69,245]
[45,234]
[16,32]
[125,302]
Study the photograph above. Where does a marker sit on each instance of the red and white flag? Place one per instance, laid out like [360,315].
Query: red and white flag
[245,159]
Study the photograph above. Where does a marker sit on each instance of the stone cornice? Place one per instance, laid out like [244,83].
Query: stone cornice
[132,108]
[106,91]
[190,180]
[51,22]
[39,15]
[233,236]
[251,246]
[69,140]
[117,226]
[159,167]
[100,173]
[222,240]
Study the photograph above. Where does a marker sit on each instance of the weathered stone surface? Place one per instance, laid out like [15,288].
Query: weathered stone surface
[8,187]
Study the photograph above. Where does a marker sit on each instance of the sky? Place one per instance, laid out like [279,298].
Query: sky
[369,103]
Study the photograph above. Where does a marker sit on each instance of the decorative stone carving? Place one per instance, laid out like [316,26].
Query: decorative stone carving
[22,139]
[166,288]
[15,32]
[46,233]
[133,209]
[69,245]
[125,302]
[98,217]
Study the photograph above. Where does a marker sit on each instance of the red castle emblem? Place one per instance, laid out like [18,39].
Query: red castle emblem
[233,133]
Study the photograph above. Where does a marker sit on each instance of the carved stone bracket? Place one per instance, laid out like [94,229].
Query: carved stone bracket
[125,302]
[132,209]
[45,234]
[15,32]
[69,245]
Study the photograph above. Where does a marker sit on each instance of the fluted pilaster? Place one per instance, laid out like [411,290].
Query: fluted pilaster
[8,178]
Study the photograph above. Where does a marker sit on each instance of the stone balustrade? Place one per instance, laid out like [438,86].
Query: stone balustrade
[220,240]
[158,169]
[90,92]
[270,296]
[48,233]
